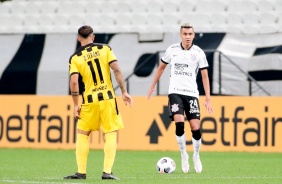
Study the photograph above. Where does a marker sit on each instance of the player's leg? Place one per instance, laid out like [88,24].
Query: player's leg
[82,150]
[81,153]
[88,115]
[110,148]
[197,141]
[181,141]
[177,114]
[111,122]
[193,116]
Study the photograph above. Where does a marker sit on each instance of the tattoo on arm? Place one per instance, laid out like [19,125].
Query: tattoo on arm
[120,80]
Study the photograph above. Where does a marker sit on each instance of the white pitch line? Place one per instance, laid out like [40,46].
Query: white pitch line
[211,177]
[166,178]
[32,182]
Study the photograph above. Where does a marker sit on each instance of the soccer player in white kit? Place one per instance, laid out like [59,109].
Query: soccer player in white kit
[186,59]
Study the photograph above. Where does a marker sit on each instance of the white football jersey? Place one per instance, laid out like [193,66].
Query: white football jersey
[184,67]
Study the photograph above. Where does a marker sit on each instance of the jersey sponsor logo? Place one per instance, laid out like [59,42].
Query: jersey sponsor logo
[179,66]
[189,74]
[193,111]
[185,90]
[174,107]
[100,88]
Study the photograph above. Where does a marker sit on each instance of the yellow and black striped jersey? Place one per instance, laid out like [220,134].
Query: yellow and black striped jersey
[92,63]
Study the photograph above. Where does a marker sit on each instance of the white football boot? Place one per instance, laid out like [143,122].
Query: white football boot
[197,164]
[185,163]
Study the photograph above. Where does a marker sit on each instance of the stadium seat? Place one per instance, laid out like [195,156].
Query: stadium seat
[138,22]
[153,19]
[123,7]
[108,19]
[18,8]
[251,19]
[242,6]
[170,7]
[278,6]
[170,28]
[154,7]
[202,28]
[139,19]
[268,29]
[46,19]
[234,19]
[33,7]
[234,29]
[250,29]
[31,21]
[187,18]
[265,6]
[187,6]
[46,23]
[66,7]
[201,20]
[146,15]
[76,21]
[123,19]
[93,20]
[61,23]
[12,23]
[268,18]
[219,19]
[92,7]
[105,29]
[279,23]
[4,8]
[138,7]
[218,28]
[49,7]
[108,7]
[172,19]
[210,6]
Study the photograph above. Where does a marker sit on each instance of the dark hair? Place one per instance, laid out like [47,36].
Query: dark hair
[85,31]
[186,25]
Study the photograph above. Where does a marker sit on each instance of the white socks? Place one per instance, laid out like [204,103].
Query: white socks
[181,140]
[196,146]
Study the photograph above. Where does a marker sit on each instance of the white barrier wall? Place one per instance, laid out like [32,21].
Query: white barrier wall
[46,57]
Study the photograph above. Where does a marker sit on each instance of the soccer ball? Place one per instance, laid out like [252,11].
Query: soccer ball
[165,165]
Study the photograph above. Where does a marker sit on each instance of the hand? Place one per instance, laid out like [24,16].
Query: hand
[127,99]
[208,106]
[76,112]
[151,90]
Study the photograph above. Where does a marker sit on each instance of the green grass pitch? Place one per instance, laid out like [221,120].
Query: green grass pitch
[50,166]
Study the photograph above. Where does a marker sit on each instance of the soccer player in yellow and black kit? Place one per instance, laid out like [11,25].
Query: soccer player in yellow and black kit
[99,107]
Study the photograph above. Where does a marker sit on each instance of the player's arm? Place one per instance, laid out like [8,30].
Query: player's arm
[118,76]
[157,76]
[120,80]
[74,88]
[206,84]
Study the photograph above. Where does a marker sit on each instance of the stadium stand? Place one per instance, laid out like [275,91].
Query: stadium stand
[147,27]
[221,14]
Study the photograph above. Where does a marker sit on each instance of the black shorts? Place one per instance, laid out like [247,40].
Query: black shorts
[178,104]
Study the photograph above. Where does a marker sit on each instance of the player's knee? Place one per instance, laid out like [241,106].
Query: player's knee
[179,131]
[196,134]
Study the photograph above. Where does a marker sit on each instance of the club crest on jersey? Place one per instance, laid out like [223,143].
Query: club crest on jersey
[174,107]
[193,57]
